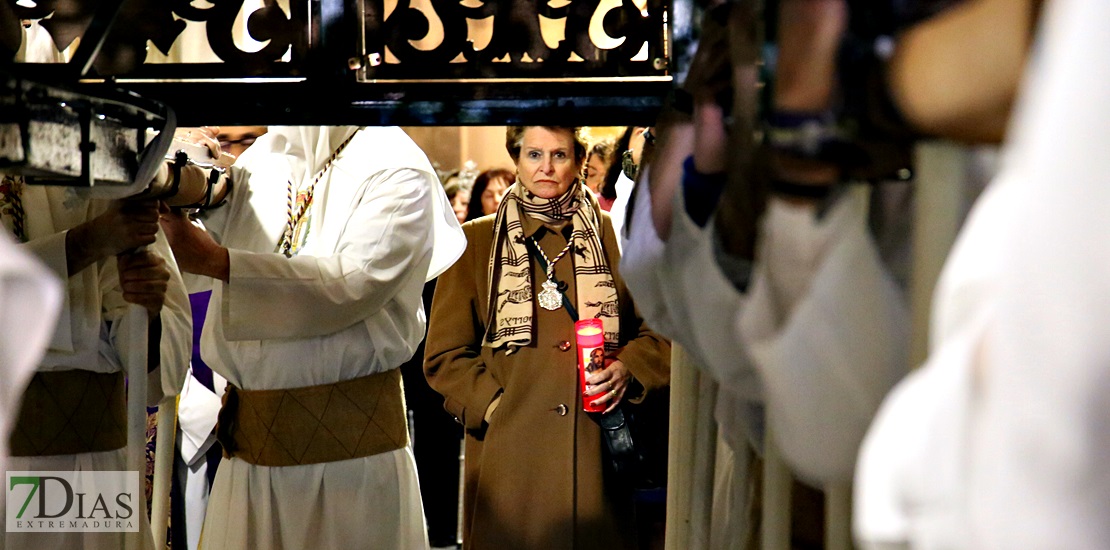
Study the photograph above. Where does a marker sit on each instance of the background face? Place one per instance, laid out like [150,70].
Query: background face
[595,173]
[492,195]
[546,166]
[235,139]
[460,203]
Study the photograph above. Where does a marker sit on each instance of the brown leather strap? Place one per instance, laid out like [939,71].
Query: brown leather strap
[71,412]
[327,423]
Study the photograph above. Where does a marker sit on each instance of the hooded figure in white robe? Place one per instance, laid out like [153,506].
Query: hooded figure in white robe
[346,304]
[91,334]
[93,326]
[1000,440]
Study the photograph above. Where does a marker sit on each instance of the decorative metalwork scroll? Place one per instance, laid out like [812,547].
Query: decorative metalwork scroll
[375,61]
[398,39]
[162,22]
[523,38]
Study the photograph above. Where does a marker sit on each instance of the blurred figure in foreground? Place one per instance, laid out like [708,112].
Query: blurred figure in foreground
[999,440]
[32,294]
[754,256]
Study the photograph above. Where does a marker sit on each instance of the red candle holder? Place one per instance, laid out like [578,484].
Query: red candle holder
[590,337]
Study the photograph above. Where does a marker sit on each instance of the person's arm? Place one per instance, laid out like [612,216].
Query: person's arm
[675,278]
[664,179]
[170,327]
[124,225]
[675,275]
[453,363]
[196,250]
[928,75]
[827,328]
[809,36]
[386,237]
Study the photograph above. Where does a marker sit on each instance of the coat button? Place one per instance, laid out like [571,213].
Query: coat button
[562,409]
[564,345]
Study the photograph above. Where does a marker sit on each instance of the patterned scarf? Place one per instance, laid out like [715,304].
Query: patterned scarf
[511,319]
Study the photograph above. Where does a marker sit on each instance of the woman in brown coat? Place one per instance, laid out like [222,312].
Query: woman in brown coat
[509,373]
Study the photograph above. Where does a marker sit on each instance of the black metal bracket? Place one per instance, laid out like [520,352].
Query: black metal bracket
[96,34]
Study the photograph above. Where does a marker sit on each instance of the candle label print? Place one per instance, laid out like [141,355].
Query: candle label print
[594,359]
[591,358]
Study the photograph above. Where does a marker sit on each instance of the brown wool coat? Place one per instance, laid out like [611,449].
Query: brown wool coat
[534,473]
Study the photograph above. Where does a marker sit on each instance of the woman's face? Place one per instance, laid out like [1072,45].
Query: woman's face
[492,195]
[460,203]
[595,173]
[546,166]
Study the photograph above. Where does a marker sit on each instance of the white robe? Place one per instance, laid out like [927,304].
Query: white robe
[347,305]
[828,330]
[1014,393]
[818,339]
[197,410]
[33,295]
[89,335]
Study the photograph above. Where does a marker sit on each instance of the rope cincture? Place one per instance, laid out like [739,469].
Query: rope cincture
[11,189]
[295,217]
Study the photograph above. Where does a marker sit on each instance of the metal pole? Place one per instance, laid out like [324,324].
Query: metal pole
[692,455]
[136,405]
[680,452]
[705,461]
[938,194]
[163,470]
[777,482]
[838,516]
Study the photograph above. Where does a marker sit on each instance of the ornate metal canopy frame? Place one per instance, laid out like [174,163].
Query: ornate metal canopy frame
[365,62]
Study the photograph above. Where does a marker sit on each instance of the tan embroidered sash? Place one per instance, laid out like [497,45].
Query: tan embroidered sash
[327,423]
[71,412]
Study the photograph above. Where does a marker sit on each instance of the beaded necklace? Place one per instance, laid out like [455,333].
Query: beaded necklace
[296,215]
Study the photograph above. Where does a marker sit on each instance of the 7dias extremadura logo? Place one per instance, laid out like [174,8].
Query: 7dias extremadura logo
[72,501]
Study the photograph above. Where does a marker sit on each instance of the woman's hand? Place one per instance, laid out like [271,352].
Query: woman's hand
[612,381]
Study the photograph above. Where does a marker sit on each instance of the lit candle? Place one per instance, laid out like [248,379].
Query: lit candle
[591,357]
